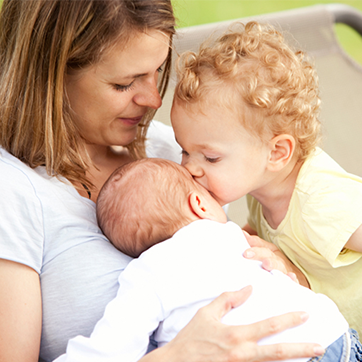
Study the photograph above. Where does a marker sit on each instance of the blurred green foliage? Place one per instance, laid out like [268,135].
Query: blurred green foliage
[194,12]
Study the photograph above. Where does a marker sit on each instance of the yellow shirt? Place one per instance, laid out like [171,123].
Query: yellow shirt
[324,211]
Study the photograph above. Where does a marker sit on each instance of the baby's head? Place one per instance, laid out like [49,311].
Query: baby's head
[146,201]
[252,72]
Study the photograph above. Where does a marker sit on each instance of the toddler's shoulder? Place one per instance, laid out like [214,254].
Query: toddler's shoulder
[321,177]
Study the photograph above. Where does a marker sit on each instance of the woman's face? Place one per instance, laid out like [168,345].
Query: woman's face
[110,98]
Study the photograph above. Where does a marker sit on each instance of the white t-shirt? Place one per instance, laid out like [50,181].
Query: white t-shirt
[169,282]
[48,226]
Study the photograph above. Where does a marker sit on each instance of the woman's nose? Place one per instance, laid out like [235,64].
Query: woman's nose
[149,95]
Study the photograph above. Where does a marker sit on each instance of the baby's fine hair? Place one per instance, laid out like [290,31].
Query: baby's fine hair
[252,70]
[142,203]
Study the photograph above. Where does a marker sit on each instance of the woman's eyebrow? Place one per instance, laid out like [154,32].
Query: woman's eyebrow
[133,76]
[138,75]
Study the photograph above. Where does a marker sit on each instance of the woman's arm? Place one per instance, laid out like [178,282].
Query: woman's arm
[20,312]
[272,258]
[205,338]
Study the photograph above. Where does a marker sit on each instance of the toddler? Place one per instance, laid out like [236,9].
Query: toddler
[188,255]
[245,113]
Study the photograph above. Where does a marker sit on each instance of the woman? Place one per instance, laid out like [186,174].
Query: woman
[77,77]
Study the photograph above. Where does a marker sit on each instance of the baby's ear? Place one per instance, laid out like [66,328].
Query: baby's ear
[199,205]
[281,151]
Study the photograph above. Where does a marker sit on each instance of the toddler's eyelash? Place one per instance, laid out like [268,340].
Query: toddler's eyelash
[212,160]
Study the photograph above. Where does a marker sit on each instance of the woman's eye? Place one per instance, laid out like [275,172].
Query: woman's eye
[123,88]
[160,69]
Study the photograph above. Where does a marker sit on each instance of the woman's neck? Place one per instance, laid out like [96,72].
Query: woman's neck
[104,160]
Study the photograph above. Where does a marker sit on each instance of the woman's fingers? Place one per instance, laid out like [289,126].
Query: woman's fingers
[227,301]
[280,352]
[275,325]
[277,352]
[208,339]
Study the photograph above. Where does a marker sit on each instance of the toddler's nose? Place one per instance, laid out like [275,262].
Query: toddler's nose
[194,168]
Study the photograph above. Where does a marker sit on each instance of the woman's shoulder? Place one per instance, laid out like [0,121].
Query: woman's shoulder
[21,214]
[161,142]
[29,184]
[17,179]
[37,210]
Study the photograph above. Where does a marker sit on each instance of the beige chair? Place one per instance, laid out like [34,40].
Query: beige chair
[311,29]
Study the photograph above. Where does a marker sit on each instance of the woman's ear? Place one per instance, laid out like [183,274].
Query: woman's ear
[281,151]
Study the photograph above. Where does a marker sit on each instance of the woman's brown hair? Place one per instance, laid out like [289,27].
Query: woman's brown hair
[40,40]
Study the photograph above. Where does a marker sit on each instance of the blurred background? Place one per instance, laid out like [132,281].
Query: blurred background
[195,12]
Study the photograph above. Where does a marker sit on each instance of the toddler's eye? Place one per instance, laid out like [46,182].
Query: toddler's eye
[212,160]
[184,153]
[159,70]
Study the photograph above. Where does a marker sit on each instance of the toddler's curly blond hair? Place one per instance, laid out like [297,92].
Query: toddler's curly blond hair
[254,71]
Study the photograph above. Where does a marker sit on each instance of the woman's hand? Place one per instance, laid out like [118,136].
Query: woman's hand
[272,258]
[206,339]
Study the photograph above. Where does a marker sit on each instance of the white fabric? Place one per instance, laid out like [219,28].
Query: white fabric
[161,142]
[168,283]
[48,226]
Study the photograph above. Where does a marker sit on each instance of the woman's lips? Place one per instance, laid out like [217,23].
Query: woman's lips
[132,121]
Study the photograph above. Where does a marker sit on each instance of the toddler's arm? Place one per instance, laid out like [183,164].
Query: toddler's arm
[249,230]
[355,241]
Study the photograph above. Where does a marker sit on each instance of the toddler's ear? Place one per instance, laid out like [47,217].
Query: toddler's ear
[281,151]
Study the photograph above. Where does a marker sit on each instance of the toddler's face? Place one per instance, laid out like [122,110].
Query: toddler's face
[218,152]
